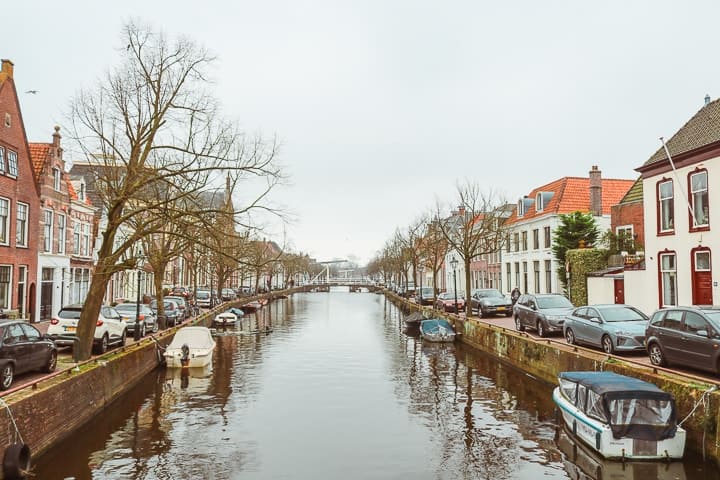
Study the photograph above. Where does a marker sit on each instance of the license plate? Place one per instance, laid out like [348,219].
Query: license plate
[501,309]
[70,329]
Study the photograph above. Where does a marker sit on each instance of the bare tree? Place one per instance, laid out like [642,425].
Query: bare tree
[149,122]
[433,248]
[476,228]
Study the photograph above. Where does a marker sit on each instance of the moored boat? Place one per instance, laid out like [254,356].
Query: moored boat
[251,307]
[414,319]
[620,417]
[225,318]
[191,347]
[437,330]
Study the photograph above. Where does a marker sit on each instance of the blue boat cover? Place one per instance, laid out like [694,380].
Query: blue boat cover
[433,324]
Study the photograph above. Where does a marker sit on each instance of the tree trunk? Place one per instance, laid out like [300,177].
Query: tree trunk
[468,308]
[82,350]
[162,324]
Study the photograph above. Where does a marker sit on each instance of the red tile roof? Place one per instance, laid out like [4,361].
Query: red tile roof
[571,194]
[39,153]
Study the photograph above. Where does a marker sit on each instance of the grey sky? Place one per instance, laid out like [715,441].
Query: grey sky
[382,106]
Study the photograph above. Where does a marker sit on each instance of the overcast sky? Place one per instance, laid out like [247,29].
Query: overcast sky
[383,106]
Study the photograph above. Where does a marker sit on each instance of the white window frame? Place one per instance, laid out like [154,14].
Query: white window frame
[21,224]
[520,208]
[62,232]
[668,282]
[56,179]
[76,238]
[666,203]
[5,223]
[706,253]
[85,239]
[629,230]
[12,163]
[704,216]
[48,220]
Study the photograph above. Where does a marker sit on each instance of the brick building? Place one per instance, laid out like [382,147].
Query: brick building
[19,206]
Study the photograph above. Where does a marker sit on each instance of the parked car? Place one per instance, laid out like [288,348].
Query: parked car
[489,301]
[227,294]
[425,296]
[610,327]
[172,311]
[688,336]
[128,312]
[180,292]
[446,302]
[544,313]
[183,304]
[24,349]
[109,329]
[203,298]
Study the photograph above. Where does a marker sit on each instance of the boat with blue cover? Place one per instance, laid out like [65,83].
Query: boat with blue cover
[437,330]
[620,417]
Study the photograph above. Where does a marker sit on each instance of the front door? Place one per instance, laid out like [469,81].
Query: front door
[619,290]
[701,277]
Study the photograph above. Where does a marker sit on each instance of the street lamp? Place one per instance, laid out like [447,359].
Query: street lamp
[454,264]
[136,333]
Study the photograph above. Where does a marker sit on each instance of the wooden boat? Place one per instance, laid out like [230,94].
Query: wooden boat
[191,347]
[620,417]
[437,330]
[225,318]
[414,319]
[251,307]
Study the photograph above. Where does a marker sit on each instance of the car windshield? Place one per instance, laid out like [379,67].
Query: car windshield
[489,293]
[73,314]
[126,307]
[202,295]
[622,314]
[554,301]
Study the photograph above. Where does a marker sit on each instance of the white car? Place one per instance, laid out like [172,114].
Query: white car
[110,328]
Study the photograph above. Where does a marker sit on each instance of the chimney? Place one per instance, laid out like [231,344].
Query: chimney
[7,70]
[707,99]
[595,191]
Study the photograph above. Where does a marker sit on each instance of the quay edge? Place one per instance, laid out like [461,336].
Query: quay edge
[544,359]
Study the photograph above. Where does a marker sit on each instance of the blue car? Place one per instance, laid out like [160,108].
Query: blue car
[613,328]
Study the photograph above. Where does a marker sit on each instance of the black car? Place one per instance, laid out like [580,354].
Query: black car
[489,301]
[688,336]
[172,312]
[23,349]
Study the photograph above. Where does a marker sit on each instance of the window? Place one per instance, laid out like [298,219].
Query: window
[672,319]
[625,238]
[5,276]
[546,232]
[62,233]
[81,193]
[536,239]
[12,163]
[56,179]
[548,276]
[666,208]
[536,276]
[4,221]
[516,241]
[21,227]
[525,277]
[702,261]
[668,274]
[76,238]
[699,199]
[2,160]
[517,274]
[507,243]
[539,204]
[47,230]
[85,241]
[520,208]
[508,274]
[694,323]
[524,240]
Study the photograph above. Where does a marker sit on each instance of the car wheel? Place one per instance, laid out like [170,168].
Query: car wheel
[6,376]
[143,331]
[123,338]
[607,344]
[155,327]
[51,363]
[103,345]
[570,336]
[481,312]
[540,328]
[657,357]
[518,324]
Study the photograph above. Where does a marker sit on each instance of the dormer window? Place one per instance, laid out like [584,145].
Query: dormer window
[541,200]
[520,208]
[81,193]
[56,179]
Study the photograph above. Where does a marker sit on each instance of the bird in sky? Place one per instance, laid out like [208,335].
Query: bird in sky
[32,91]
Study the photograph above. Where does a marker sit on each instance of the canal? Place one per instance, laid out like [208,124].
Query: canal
[337,389]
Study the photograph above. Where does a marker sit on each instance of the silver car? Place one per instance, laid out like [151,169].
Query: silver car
[612,327]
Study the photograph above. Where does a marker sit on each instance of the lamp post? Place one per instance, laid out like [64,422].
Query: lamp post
[136,333]
[454,264]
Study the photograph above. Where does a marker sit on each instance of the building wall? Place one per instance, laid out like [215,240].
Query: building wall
[630,214]
[600,290]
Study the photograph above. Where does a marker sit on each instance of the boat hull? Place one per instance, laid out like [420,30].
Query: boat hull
[198,358]
[599,437]
[433,331]
[225,319]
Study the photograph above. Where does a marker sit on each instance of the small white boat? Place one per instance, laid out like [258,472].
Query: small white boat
[191,347]
[225,318]
[620,417]
[437,330]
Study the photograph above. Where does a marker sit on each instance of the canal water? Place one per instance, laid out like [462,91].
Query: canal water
[336,390]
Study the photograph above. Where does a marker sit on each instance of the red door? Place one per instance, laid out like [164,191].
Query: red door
[619,290]
[701,277]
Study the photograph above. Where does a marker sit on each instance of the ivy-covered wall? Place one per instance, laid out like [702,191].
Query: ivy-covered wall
[582,261]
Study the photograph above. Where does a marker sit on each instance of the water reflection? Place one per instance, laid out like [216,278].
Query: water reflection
[328,385]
